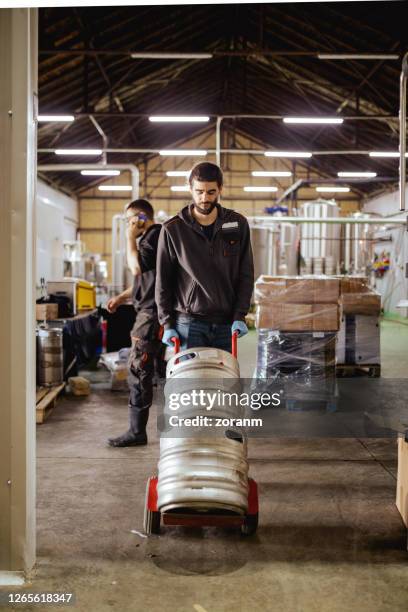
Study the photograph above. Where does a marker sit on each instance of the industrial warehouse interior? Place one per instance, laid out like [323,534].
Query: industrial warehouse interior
[204,320]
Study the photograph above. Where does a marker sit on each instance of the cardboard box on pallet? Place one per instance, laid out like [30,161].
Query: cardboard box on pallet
[354,284]
[297,290]
[361,303]
[298,317]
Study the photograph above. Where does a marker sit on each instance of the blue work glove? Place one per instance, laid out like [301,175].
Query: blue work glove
[240,327]
[168,335]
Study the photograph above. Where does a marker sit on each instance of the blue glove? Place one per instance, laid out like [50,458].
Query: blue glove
[168,335]
[240,327]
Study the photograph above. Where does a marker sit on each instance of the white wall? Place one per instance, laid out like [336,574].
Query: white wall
[393,286]
[57,221]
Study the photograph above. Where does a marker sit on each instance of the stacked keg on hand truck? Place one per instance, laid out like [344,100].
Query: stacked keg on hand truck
[202,479]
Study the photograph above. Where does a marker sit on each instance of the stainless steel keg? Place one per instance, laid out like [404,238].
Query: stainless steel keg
[203,472]
[50,369]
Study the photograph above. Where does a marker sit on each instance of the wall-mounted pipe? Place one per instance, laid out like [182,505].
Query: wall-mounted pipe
[134,171]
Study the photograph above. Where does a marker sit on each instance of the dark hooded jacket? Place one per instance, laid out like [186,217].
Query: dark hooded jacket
[211,280]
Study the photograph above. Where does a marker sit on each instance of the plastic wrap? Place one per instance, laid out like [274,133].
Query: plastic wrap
[297,303]
[301,358]
[297,289]
[358,341]
[117,365]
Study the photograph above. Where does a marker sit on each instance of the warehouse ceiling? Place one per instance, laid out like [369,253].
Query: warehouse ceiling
[264,62]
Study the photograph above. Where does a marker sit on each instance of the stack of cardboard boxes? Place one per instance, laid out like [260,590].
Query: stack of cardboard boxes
[321,304]
[298,318]
[358,341]
[298,303]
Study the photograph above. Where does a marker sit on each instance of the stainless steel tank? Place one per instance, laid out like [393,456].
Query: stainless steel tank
[50,369]
[208,471]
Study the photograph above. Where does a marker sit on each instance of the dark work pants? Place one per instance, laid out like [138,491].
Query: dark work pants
[145,356]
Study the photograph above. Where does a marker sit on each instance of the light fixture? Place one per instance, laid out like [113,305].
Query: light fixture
[178,173]
[169,55]
[185,152]
[271,173]
[287,154]
[333,189]
[78,151]
[358,56]
[115,187]
[100,172]
[356,174]
[179,188]
[178,119]
[308,120]
[61,118]
[385,154]
[261,189]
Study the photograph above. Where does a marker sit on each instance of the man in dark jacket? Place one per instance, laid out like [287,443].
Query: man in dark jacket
[142,239]
[205,271]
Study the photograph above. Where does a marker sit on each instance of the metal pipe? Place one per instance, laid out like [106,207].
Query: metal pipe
[134,171]
[104,137]
[218,140]
[403,129]
[262,220]
[347,247]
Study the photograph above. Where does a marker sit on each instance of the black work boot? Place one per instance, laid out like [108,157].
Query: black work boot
[129,439]
[136,435]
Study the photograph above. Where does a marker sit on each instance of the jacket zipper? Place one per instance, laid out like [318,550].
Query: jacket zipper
[190,295]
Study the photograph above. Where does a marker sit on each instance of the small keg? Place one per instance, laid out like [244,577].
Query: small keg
[203,472]
[50,369]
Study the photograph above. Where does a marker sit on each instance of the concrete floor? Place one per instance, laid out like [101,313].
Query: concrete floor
[330,536]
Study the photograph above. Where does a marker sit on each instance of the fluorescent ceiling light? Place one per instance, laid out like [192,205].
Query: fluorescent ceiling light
[287,154]
[333,189]
[178,173]
[357,174]
[61,118]
[320,120]
[358,56]
[115,187]
[260,189]
[179,188]
[78,151]
[267,173]
[178,119]
[100,172]
[169,55]
[386,154]
[185,152]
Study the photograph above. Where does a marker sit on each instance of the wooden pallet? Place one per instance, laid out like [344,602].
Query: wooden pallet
[358,369]
[46,398]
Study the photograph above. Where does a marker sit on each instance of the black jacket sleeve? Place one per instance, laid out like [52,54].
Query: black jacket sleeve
[165,266]
[245,285]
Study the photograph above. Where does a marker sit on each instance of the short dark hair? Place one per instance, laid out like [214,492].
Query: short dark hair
[143,206]
[206,171]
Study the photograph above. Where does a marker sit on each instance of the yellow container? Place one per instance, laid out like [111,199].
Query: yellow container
[85,295]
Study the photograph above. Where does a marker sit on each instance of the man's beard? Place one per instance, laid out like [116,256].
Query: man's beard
[206,211]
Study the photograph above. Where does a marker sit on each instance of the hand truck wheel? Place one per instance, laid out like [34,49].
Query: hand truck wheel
[250,524]
[151,519]
[151,522]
